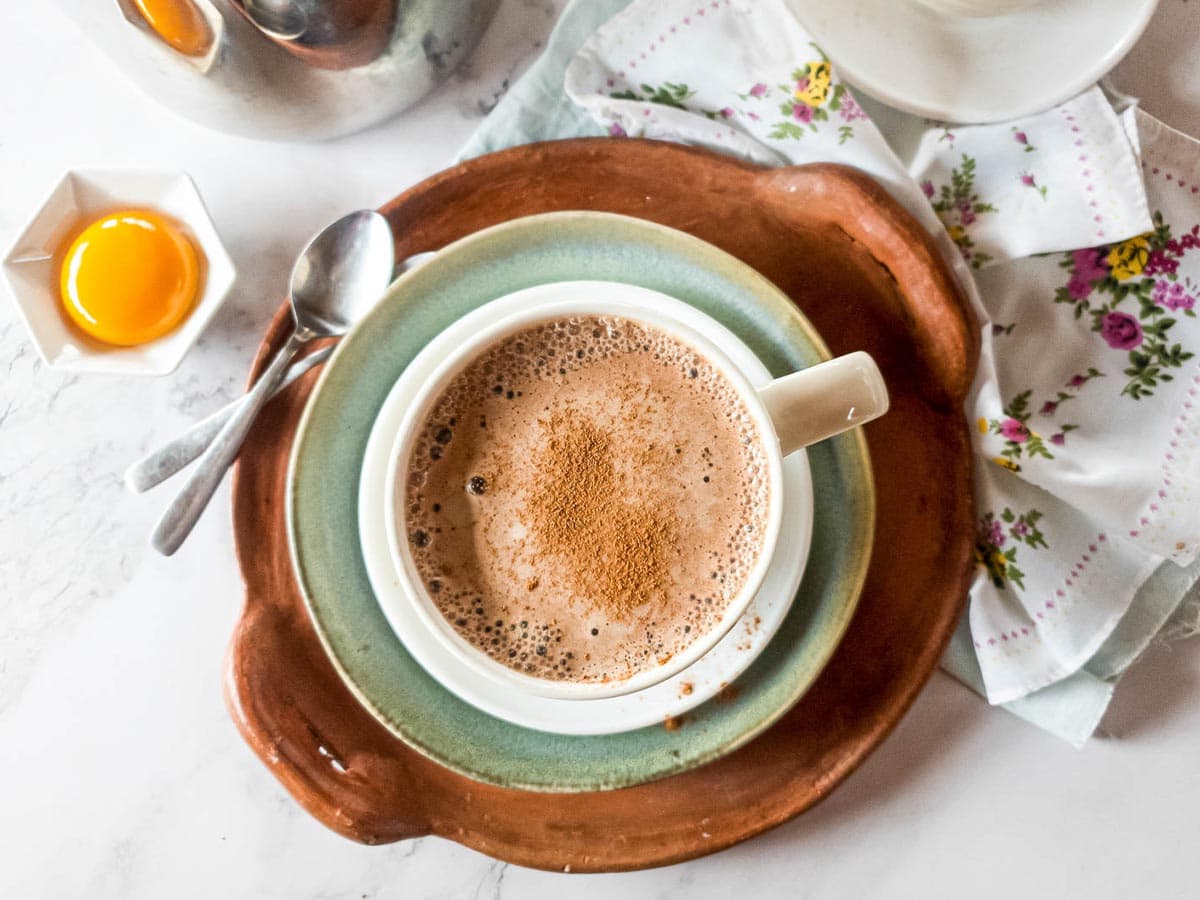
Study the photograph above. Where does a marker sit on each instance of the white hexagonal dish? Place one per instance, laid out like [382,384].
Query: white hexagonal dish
[31,268]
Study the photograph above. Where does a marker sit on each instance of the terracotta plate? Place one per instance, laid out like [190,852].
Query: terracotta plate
[866,276]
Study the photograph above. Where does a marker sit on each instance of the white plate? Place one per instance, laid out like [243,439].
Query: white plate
[964,69]
[699,682]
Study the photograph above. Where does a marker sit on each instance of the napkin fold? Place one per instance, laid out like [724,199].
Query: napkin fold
[1084,292]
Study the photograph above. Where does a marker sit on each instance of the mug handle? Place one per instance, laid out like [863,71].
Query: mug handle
[824,400]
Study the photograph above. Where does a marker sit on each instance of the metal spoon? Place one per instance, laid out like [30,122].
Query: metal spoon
[159,465]
[336,280]
[284,20]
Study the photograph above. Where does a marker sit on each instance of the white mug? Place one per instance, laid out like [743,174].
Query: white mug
[790,413]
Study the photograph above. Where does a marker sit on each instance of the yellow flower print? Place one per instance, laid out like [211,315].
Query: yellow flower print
[995,561]
[957,233]
[813,89]
[1128,258]
[1006,463]
[982,425]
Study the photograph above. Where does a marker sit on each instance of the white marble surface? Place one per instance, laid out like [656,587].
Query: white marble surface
[121,775]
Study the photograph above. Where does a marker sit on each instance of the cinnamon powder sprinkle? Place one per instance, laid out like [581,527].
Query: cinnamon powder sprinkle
[615,547]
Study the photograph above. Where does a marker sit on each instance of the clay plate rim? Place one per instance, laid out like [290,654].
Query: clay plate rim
[399,794]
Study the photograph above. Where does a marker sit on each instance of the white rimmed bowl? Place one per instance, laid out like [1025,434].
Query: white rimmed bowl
[673,695]
[494,323]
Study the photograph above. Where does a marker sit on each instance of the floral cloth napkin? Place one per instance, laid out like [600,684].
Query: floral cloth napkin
[1081,275]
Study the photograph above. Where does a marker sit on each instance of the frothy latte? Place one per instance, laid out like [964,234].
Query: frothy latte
[585,498]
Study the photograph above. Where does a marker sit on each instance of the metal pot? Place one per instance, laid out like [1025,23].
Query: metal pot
[285,69]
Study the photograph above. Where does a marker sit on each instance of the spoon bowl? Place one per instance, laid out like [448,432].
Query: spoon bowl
[341,273]
[337,278]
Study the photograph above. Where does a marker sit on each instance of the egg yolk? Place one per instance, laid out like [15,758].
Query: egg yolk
[130,277]
[179,23]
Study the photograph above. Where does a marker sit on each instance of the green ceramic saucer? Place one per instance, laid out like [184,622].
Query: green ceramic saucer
[323,497]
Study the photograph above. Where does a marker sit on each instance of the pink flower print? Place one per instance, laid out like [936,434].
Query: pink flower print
[802,112]
[927,188]
[1029,181]
[850,109]
[1172,295]
[1090,265]
[615,130]
[1049,408]
[754,116]
[1058,439]
[1078,288]
[966,214]
[758,90]
[995,534]
[1020,529]
[802,85]
[1021,138]
[727,112]
[1014,430]
[1077,381]
[1121,330]
[1159,263]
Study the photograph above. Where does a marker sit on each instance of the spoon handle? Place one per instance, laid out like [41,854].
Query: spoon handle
[185,510]
[159,465]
